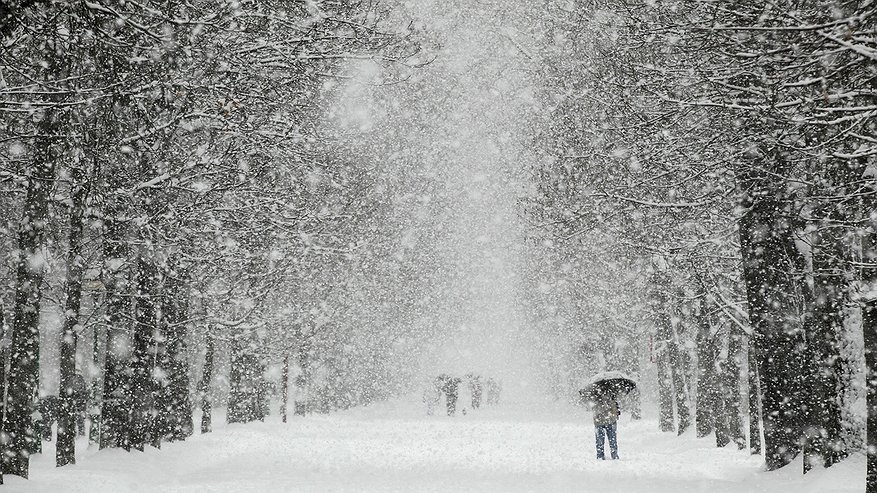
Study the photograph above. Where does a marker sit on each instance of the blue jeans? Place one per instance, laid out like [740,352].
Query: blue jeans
[609,432]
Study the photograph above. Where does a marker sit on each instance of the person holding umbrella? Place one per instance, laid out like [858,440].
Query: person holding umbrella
[606,413]
[602,392]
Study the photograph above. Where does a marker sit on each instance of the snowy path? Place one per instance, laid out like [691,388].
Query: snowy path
[392,448]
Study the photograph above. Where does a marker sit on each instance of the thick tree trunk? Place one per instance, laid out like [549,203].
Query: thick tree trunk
[245,402]
[67,397]
[116,408]
[824,328]
[143,354]
[766,242]
[754,401]
[720,412]
[204,384]
[22,380]
[179,408]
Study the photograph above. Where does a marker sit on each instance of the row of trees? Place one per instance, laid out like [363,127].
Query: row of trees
[167,181]
[727,149]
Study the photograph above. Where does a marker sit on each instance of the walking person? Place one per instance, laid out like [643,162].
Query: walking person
[606,413]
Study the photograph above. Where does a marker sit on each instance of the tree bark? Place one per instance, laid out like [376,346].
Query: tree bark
[4,369]
[94,394]
[115,406]
[284,391]
[869,326]
[868,304]
[754,401]
[824,326]
[707,383]
[204,384]
[22,380]
[766,241]
[143,354]
[179,408]
[67,400]
[680,383]
[665,382]
[732,387]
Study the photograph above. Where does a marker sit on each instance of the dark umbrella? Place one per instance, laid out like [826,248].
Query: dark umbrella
[611,383]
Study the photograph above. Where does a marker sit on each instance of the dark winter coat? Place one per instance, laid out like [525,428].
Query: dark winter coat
[605,411]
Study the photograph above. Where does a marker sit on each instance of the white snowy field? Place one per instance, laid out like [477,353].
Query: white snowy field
[393,447]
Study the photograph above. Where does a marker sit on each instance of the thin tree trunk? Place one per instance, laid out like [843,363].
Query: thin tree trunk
[94,398]
[869,330]
[204,385]
[665,382]
[22,379]
[4,368]
[706,375]
[236,398]
[754,401]
[680,387]
[67,399]
[869,327]
[284,391]
[732,387]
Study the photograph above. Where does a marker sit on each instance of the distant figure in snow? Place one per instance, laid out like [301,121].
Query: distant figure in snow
[475,390]
[432,395]
[606,413]
[450,386]
[464,395]
[493,390]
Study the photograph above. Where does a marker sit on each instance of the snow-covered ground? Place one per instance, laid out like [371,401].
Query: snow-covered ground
[393,447]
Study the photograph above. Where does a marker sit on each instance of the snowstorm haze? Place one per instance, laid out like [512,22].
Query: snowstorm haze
[460,127]
[438,245]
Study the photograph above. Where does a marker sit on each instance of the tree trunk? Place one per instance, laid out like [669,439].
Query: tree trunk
[754,401]
[204,384]
[869,326]
[869,329]
[4,368]
[94,399]
[236,405]
[67,398]
[680,384]
[662,352]
[143,354]
[23,377]
[284,391]
[179,408]
[824,328]
[665,389]
[707,382]
[766,241]
[245,402]
[115,406]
